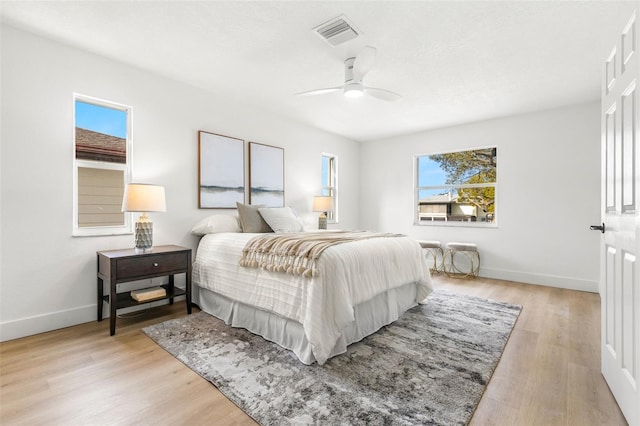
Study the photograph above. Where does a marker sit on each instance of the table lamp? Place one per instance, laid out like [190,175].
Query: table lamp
[140,197]
[322,204]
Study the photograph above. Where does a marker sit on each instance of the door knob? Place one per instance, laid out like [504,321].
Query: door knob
[597,228]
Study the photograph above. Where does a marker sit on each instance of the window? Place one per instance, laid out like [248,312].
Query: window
[330,183]
[457,187]
[102,150]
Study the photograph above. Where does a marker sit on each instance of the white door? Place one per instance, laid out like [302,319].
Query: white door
[620,266]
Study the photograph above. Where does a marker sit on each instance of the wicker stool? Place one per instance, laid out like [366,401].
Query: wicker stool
[433,251]
[467,264]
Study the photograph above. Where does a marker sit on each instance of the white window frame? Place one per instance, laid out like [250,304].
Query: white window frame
[332,188]
[85,231]
[416,203]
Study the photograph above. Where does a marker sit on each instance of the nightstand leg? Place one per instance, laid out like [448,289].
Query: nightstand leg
[112,308]
[100,299]
[171,288]
[188,286]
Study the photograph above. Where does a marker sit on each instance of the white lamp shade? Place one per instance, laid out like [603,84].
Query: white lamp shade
[322,204]
[140,197]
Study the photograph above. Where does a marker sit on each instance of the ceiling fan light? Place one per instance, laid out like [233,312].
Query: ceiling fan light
[353,90]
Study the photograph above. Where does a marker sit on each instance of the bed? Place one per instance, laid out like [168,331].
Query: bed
[347,290]
[356,288]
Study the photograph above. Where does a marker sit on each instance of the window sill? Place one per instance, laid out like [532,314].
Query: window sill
[457,224]
[93,232]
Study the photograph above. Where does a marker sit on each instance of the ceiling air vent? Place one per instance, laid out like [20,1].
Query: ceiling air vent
[337,31]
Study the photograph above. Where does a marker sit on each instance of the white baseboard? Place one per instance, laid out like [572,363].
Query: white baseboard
[15,329]
[541,279]
[37,324]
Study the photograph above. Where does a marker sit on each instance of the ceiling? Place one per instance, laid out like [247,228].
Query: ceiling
[453,61]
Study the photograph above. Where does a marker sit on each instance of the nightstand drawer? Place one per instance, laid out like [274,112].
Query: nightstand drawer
[151,265]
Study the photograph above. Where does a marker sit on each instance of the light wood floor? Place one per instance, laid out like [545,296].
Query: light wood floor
[549,373]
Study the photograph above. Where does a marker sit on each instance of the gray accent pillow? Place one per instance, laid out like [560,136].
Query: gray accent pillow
[251,220]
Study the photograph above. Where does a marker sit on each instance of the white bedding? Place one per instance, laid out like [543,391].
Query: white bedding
[349,274]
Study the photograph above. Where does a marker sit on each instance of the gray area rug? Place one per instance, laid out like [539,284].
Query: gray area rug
[429,367]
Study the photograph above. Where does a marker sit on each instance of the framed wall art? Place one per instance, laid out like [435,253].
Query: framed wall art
[220,171]
[266,175]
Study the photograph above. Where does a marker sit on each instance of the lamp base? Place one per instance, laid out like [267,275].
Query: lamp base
[322,221]
[144,234]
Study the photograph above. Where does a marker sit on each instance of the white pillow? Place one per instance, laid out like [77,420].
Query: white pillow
[309,221]
[217,223]
[281,219]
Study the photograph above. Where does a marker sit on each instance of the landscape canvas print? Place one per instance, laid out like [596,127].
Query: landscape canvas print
[221,171]
[266,175]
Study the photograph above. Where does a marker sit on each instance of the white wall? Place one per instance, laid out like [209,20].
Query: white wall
[548,193]
[548,190]
[48,277]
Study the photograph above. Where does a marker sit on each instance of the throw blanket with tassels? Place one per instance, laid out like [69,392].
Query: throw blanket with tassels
[297,253]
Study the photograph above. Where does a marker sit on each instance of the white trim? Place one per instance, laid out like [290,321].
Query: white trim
[127,228]
[42,323]
[555,281]
[457,223]
[333,164]
[417,189]
[37,324]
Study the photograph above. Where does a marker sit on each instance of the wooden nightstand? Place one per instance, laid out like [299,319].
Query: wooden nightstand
[119,266]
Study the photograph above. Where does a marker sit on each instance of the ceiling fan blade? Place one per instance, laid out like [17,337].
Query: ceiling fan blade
[320,91]
[385,95]
[364,62]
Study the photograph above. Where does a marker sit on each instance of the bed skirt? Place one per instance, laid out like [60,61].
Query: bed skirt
[370,316]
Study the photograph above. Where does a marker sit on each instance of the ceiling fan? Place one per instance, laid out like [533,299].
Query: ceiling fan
[355,69]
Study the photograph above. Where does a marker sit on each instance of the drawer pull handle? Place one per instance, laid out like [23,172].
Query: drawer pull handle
[155,264]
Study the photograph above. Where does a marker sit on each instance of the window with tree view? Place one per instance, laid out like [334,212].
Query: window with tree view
[457,187]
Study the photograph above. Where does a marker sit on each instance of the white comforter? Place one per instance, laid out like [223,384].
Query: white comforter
[349,274]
